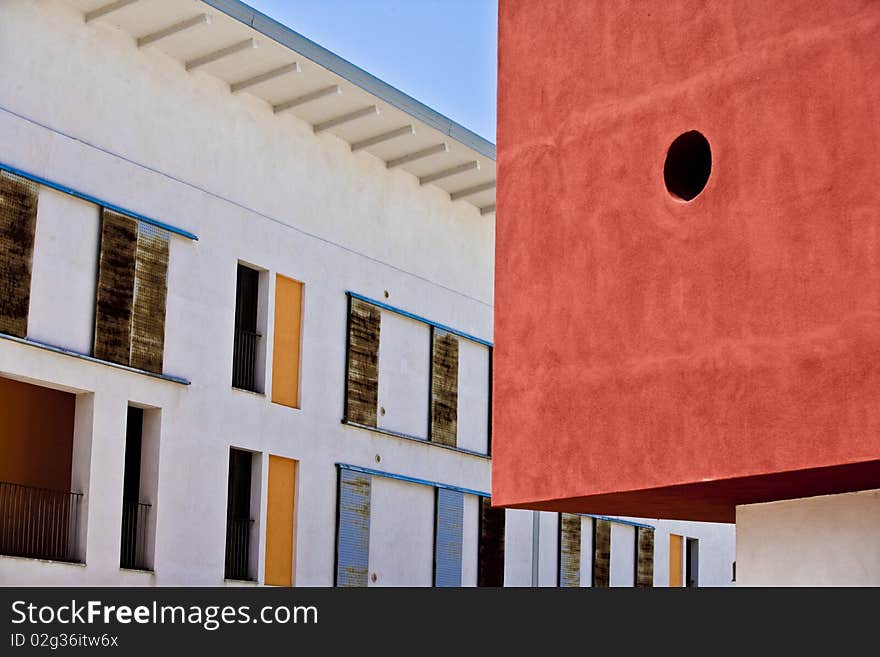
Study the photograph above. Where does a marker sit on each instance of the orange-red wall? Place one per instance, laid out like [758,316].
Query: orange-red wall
[654,357]
[36,435]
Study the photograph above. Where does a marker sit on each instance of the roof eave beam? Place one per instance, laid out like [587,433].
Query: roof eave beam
[107,9]
[265,77]
[370,110]
[211,57]
[470,191]
[448,173]
[487,209]
[436,149]
[171,30]
[385,136]
[332,90]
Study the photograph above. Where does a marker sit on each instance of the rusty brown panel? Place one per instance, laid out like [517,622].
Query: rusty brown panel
[569,550]
[444,388]
[116,274]
[18,221]
[601,553]
[148,313]
[363,363]
[644,557]
[490,565]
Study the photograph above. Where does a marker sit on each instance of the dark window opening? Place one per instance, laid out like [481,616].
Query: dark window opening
[490,565]
[247,339]
[135,514]
[688,164]
[238,516]
[692,563]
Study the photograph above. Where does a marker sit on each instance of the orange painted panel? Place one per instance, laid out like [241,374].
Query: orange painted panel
[675,560]
[286,353]
[279,521]
[36,435]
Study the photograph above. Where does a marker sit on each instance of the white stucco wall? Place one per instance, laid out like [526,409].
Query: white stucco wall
[65,269]
[473,396]
[401,533]
[623,544]
[830,540]
[404,371]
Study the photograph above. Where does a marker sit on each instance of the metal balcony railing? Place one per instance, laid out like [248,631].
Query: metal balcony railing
[238,544]
[39,523]
[133,551]
[244,360]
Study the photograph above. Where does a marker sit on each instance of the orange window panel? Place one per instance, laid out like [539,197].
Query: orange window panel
[675,558]
[286,351]
[280,504]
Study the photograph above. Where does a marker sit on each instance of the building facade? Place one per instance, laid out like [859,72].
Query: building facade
[247,317]
[687,273]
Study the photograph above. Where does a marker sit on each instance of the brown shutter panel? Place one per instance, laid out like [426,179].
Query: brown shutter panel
[444,388]
[569,550]
[601,553]
[148,314]
[362,391]
[644,557]
[116,273]
[18,221]
[490,565]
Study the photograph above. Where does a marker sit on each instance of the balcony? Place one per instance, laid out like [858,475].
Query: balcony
[238,542]
[244,360]
[133,551]
[39,523]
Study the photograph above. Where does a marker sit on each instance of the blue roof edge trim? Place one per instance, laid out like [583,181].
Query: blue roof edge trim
[45,182]
[69,352]
[419,318]
[411,480]
[289,38]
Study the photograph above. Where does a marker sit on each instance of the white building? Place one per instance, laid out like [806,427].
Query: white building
[217,239]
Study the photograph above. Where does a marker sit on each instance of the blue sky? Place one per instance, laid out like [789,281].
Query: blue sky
[441,52]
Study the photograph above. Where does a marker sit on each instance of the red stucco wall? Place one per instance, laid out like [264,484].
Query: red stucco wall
[661,358]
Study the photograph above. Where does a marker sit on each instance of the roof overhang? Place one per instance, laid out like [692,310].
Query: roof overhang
[256,55]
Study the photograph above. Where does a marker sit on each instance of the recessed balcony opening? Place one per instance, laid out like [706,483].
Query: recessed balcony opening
[249,349]
[43,471]
[688,165]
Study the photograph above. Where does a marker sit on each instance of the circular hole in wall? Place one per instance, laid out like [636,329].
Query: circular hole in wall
[688,164]
[374,577]
[386,294]
[382,411]
[378,459]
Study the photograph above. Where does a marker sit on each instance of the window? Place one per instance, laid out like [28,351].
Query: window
[692,563]
[644,557]
[444,388]
[242,507]
[280,508]
[286,349]
[139,488]
[353,528]
[247,349]
[362,385]
[675,560]
[18,220]
[132,287]
[448,528]
[42,512]
[410,377]
[601,553]
[490,560]
[569,550]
